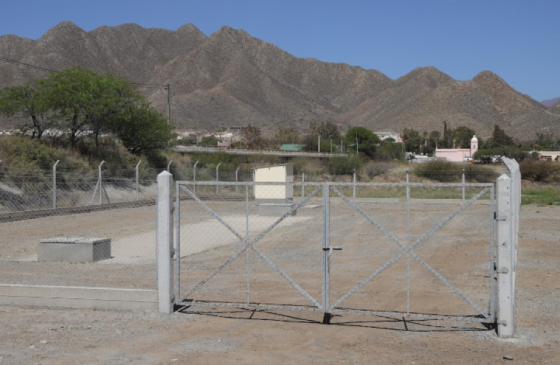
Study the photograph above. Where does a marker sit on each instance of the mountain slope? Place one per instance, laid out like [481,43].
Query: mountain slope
[230,78]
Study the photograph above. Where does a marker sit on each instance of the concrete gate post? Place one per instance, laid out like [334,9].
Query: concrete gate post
[506,257]
[164,242]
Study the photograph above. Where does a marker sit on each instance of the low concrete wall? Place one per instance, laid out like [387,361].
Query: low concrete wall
[79,297]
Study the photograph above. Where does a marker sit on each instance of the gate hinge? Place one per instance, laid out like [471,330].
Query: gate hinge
[503,270]
[174,206]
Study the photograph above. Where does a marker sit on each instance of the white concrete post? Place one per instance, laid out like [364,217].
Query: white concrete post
[54,184]
[165,242]
[505,258]
[236,179]
[302,186]
[138,164]
[218,179]
[194,177]
[463,184]
[354,186]
[100,184]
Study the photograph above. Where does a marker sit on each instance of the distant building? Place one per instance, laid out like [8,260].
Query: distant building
[224,139]
[549,155]
[384,135]
[458,154]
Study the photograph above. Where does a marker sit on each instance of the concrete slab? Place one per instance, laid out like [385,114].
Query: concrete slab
[78,297]
[276,209]
[74,249]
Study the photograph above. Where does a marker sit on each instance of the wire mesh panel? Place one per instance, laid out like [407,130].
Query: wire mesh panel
[429,255]
[394,248]
[236,249]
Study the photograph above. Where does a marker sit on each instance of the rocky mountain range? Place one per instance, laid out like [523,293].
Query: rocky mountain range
[232,79]
[550,102]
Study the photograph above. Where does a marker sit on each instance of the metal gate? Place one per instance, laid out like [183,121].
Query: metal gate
[339,244]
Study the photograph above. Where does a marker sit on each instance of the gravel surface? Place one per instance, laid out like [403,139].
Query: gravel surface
[208,335]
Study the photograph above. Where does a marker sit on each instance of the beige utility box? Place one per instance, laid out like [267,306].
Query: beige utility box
[274,193]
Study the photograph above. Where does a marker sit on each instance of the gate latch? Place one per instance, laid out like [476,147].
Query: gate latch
[330,249]
[503,270]
[500,218]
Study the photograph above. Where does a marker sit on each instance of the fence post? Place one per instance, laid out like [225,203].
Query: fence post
[169,165]
[505,259]
[194,176]
[100,184]
[236,186]
[463,184]
[54,184]
[218,179]
[164,242]
[138,164]
[354,186]
[302,185]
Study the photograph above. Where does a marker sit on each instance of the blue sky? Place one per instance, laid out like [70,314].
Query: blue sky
[517,39]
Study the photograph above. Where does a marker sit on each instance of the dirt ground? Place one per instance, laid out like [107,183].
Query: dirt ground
[213,335]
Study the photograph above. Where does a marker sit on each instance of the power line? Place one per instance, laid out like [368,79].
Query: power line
[9,60]
[27,64]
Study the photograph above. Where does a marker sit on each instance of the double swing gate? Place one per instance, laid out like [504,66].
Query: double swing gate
[401,250]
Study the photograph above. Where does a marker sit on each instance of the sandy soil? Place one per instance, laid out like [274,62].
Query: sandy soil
[208,335]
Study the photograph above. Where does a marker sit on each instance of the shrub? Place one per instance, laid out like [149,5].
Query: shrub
[443,171]
[480,174]
[374,169]
[538,170]
[344,165]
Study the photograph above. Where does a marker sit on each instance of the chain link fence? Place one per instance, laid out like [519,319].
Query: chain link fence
[69,206]
[347,252]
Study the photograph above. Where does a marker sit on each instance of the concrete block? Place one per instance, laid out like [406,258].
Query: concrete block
[276,210]
[74,249]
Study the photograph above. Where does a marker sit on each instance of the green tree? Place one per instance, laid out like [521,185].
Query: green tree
[499,139]
[448,134]
[30,102]
[252,137]
[209,141]
[462,137]
[363,140]
[286,135]
[141,128]
[412,140]
[327,130]
[86,102]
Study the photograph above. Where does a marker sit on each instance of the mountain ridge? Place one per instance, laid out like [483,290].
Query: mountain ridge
[230,78]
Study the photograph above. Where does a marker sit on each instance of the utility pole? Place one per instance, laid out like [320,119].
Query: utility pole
[319,143]
[356,143]
[168,88]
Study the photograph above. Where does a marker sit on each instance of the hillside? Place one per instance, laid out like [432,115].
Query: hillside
[230,78]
